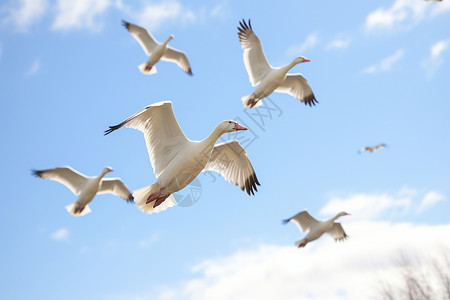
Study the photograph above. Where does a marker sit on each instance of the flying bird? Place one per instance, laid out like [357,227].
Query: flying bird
[156,50]
[269,78]
[317,228]
[372,149]
[177,161]
[85,186]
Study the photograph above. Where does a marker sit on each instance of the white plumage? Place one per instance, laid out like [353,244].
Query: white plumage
[85,186]
[270,78]
[316,229]
[156,50]
[176,160]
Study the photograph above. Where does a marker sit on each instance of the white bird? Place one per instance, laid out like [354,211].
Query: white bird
[316,228]
[85,186]
[156,50]
[177,161]
[373,149]
[270,78]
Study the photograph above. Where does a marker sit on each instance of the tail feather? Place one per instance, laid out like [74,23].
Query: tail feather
[143,67]
[76,210]
[141,196]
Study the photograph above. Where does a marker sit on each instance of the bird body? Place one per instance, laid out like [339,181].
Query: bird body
[268,78]
[373,149]
[177,161]
[157,51]
[84,186]
[316,228]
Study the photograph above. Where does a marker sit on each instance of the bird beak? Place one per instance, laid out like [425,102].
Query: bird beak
[110,170]
[347,214]
[305,60]
[239,127]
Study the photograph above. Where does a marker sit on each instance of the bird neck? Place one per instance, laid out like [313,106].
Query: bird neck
[167,41]
[103,173]
[289,65]
[214,135]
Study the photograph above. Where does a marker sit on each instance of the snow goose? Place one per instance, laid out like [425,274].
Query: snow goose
[316,228]
[373,149]
[177,161]
[270,78]
[156,50]
[85,186]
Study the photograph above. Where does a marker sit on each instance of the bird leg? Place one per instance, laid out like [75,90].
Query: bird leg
[154,196]
[148,68]
[160,200]
[252,102]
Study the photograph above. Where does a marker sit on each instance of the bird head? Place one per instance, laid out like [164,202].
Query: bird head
[301,59]
[231,126]
[108,169]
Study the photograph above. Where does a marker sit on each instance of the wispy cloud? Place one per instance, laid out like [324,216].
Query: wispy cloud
[23,13]
[404,14]
[385,64]
[310,42]
[61,235]
[341,42]
[79,14]
[435,60]
[148,241]
[34,68]
[429,200]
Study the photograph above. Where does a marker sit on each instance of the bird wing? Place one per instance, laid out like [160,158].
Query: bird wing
[230,160]
[303,220]
[178,57]
[337,232]
[254,59]
[71,178]
[117,187]
[297,86]
[144,38]
[163,135]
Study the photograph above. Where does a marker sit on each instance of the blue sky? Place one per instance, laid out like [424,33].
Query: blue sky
[380,71]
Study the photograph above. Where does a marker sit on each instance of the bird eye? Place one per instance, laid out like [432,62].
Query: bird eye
[229,122]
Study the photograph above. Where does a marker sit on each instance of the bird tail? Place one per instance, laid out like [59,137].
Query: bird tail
[147,69]
[77,210]
[301,243]
[141,196]
[248,99]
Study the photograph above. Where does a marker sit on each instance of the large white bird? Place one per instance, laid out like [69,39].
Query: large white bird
[270,78]
[177,161]
[373,149]
[85,186]
[316,228]
[156,50]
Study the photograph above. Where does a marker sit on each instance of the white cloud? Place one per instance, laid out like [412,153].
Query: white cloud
[366,206]
[24,13]
[79,14]
[310,42]
[154,15]
[430,199]
[148,241]
[60,235]
[34,68]
[349,270]
[339,43]
[404,14]
[435,60]
[385,64]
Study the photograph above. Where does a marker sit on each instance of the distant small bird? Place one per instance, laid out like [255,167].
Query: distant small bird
[156,50]
[86,187]
[316,228]
[372,149]
[270,78]
[434,0]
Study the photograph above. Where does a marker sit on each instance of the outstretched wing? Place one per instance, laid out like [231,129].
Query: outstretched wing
[67,176]
[297,86]
[337,232]
[117,187]
[254,59]
[230,160]
[163,135]
[178,57]
[144,38]
[303,220]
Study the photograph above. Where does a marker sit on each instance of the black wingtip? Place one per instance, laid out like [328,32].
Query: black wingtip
[130,199]
[36,173]
[285,221]
[111,129]
[189,72]
[126,24]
